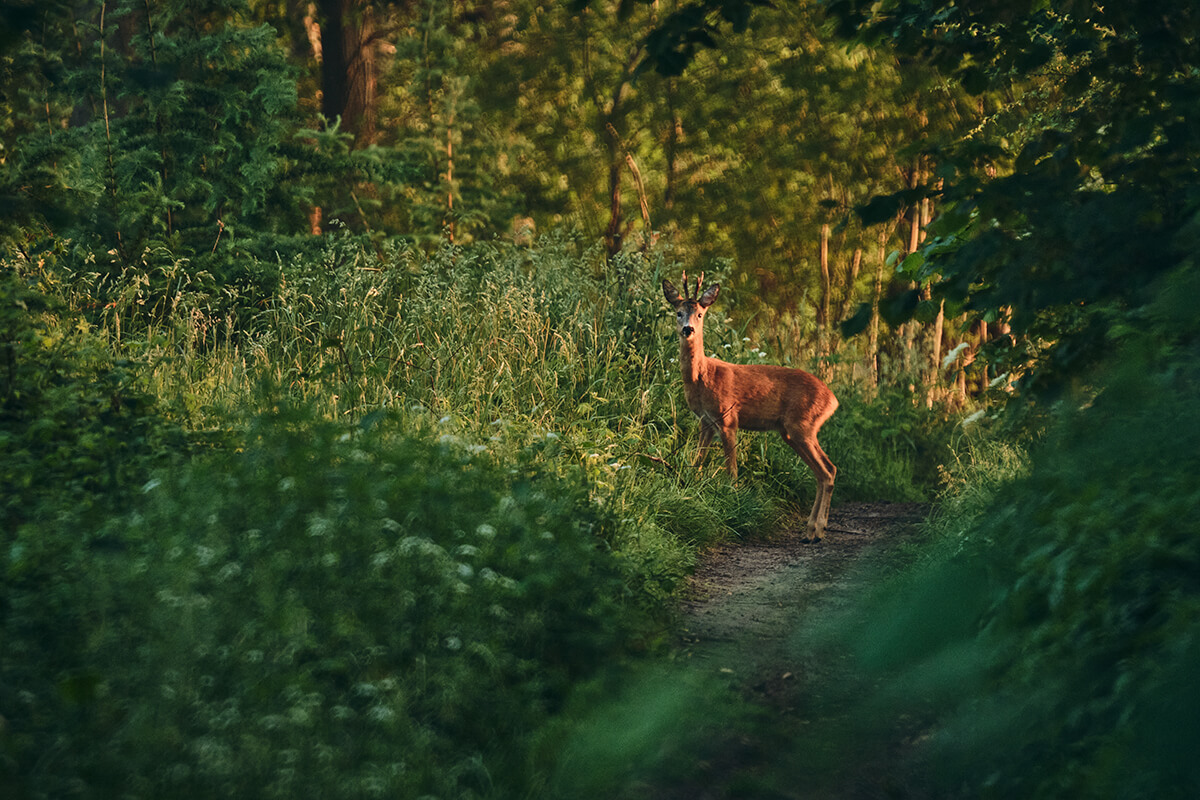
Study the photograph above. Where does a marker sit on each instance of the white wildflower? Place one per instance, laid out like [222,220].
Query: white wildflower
[971,420]
[953,355]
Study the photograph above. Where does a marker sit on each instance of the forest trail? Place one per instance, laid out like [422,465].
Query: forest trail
[759,613]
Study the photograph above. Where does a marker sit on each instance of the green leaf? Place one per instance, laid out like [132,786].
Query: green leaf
[900,308]
[858,321]
[974,79]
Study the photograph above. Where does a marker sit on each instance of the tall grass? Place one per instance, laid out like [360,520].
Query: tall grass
[509,343]
[507,348]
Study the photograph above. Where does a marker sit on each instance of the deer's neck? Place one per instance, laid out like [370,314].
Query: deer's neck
[692,361]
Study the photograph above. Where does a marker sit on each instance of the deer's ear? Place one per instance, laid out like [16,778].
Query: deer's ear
[670,292]
[709,296]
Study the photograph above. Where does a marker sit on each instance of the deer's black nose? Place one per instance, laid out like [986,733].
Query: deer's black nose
[686,330]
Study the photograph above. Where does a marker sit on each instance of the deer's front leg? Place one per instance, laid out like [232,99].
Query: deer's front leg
[707,431]
[729,442]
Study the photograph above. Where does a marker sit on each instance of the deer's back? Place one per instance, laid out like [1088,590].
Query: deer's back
[761,396]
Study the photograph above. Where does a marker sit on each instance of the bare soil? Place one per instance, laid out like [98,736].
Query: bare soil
[761,613]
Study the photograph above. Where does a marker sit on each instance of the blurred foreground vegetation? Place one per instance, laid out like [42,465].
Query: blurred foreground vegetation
[1050,627]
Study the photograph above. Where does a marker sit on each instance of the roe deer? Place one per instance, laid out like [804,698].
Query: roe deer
[753,397]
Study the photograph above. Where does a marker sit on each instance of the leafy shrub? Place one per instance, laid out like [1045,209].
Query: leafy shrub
[1056,632]
[326,613]
[77,425]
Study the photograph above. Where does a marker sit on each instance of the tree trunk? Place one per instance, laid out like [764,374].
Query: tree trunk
[914,241]
[348,79]
[612,234]
[311,33]
[823,307]
[674,137]
[983,339]
[939,322]
[935,369]
[643,202]
[334,77]
[449,221]
[873,335]
[851,279]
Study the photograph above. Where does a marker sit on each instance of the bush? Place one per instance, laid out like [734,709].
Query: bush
[326,613]
[76,423]
[1053,624]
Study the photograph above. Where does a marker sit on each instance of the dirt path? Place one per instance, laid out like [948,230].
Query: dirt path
[755,613]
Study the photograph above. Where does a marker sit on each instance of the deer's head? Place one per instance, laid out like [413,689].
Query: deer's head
[690,308]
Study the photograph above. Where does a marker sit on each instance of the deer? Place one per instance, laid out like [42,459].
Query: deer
[752,397]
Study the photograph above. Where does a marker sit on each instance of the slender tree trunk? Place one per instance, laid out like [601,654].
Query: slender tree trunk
[614,236]
[939,322]
[983,339]
[304,30]
[674,137]
[449,223]
[610,109]
[311,30]
[823,307]
[851,279]
[935,366]
[364,80]
[643,202]
[873,334]
[965,358]
[914,241]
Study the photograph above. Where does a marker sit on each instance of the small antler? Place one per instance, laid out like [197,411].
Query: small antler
[688,292]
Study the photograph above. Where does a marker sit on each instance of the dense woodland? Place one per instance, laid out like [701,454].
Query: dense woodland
[342,448]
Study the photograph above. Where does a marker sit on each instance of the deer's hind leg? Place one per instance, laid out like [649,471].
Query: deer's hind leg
[821,514]
[810,452]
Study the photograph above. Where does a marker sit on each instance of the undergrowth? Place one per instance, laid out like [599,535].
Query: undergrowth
[1049,628]
[366,536]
